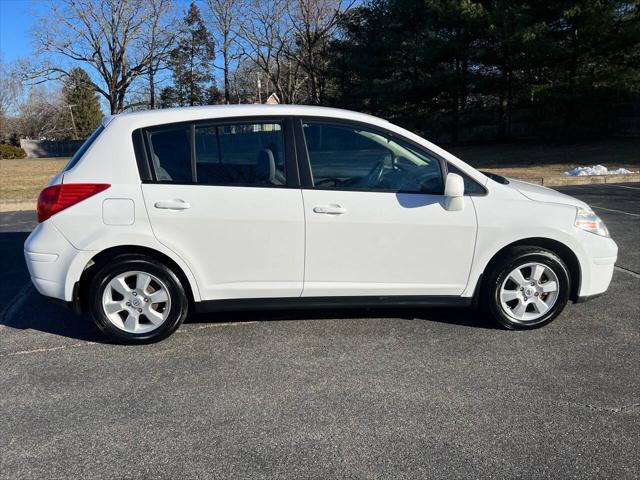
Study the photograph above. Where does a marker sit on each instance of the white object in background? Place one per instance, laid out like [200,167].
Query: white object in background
[596,170]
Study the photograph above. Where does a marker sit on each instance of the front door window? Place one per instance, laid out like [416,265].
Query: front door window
[345,157]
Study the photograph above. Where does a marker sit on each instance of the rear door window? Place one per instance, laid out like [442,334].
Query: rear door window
[243,154]
[240,154]
[171,154]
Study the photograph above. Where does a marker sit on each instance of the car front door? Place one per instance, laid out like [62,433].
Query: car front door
[225,197]
[376,222]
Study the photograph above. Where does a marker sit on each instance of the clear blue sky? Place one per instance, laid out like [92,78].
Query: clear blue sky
[15,27]
[16,20]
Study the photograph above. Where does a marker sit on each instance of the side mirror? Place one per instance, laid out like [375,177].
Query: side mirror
[454,193]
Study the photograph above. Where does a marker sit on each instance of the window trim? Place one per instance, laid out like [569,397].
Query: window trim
[306,174]
[289,151]
[465,176]
[140,151]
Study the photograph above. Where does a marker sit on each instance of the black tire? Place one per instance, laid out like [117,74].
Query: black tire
[179,304]
[508,262]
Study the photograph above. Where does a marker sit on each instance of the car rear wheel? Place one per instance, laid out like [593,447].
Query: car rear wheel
[136,299]
[527,288]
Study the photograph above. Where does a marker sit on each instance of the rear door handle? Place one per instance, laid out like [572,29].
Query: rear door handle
[330,209]
[172,205]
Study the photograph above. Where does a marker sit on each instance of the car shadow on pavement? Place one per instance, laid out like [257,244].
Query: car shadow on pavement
[33,311]
[23,308]
[465,317]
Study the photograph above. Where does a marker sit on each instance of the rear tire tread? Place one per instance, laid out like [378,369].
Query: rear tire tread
[123,263]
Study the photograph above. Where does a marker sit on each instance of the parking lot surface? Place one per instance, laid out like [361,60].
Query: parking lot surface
[331,394]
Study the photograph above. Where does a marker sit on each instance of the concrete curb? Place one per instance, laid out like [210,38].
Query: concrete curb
[563,180]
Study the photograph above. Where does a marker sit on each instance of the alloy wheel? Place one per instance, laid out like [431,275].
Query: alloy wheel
[136,302]
[529,292]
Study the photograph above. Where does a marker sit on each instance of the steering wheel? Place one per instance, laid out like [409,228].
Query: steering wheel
[375,175]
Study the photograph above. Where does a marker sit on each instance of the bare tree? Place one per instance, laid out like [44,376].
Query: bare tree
[268,39]
[10,90]
[9,87]
[42,114]
[243,82]
[104,34]
[226,19]
[158,41]
[313,22]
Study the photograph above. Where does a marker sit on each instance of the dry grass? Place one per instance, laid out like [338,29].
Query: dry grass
[528,173]
[22,180]
[533,161]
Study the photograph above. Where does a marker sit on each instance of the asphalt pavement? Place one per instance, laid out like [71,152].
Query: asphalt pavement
[327,394]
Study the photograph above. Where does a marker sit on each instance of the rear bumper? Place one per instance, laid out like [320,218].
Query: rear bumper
[51,259]
[75,304]
[587,298]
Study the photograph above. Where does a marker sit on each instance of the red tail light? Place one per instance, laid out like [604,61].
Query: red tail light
[56,198]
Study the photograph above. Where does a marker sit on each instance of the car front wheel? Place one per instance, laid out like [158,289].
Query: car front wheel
[527,288]
[136,299]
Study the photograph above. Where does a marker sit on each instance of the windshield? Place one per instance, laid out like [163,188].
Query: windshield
[395,149]
[81,151]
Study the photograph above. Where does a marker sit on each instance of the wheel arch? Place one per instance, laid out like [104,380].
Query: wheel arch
[105,256]
[563,251]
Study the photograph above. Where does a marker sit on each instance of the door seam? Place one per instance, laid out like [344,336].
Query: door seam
[304,258]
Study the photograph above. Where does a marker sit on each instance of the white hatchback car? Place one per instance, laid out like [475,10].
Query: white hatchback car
[253,207]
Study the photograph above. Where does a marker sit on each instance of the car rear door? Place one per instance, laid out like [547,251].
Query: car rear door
[376,218]
[224,195]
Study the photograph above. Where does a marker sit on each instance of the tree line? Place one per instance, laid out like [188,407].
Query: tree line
[558,69]
[553,68]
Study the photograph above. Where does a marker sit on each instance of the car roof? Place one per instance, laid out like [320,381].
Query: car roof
[125,123]
[184,114]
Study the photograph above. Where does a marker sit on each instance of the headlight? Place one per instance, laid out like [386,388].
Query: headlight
[589,221]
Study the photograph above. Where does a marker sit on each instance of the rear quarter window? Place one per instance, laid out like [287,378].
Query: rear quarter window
[83,149]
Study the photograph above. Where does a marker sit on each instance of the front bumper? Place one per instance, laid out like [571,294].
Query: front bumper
[597,264]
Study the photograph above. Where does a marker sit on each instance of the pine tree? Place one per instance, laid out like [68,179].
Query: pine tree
[191,61]
[81,104]
[169,97]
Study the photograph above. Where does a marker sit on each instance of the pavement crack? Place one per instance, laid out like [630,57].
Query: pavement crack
[599,408]
[45,349]
[213,325]
[626,270]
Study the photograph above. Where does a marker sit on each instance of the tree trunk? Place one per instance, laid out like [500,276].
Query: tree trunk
[152,90]
[225,55]
[509,101]
[456,103]
[502,104]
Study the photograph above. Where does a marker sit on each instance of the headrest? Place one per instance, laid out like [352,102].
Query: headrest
[265,166]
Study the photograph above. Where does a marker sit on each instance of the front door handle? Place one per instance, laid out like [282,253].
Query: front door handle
[172,205]
[330,209]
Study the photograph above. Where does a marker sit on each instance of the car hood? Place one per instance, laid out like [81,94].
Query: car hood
[538,193]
